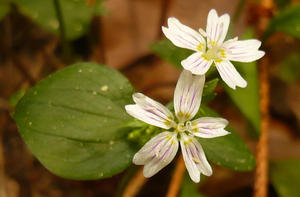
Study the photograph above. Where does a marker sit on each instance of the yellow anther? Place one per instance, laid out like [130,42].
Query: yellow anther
[200,47]
[168,137]
[223,54]
[212,43]
[187,141]
[195,129]
[187,115]
[167,122]
[180,114]
[196,160]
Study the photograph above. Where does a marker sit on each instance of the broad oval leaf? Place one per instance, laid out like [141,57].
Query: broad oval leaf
[76,14]
[287,21]
[285,177]
[72,121]
[228,151]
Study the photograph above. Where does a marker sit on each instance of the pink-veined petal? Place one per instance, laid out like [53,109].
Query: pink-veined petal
[182,35]
[216,28]
[150,111]
[208,127]
[196,64]
[230,75]
[187,95]
[157,153]
[243,50]
[194,157]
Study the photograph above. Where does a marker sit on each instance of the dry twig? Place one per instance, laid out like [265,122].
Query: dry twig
[135,185]
[261,172]
[177,178]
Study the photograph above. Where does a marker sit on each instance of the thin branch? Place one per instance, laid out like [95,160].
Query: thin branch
[135,185]
[261,172]
[177,178]
[3,180]
[19,65]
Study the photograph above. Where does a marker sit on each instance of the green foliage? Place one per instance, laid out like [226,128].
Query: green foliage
[141,135]
[247,99]
[228,151]
[4,9]
[281,4]
[208,90]
[169,52]
[16,97]
[77,14]
[289,69]
[72,120]
[285,176]
[189,188]
[287,21]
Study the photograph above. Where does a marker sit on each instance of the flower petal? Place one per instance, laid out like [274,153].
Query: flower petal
[196,64]
[157,153]
[182,35]
[207,127]
[230,75]
[243,50]
[150,111]
[194,157]
[216,28]
[187,96]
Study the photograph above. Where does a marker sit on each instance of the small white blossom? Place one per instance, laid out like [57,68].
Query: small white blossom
[161,149]
[213,49]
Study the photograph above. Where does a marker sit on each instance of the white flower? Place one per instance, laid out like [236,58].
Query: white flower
[213,48]
[161,149]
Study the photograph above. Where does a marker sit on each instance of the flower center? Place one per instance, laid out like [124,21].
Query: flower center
[215,53]
[182,127]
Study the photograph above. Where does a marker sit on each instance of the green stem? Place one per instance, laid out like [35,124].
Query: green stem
[238,10]
[65,46]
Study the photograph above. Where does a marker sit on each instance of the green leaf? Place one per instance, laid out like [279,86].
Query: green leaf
[208,90]
[189,188]
[247,99]
[287,21]
[72,120]
[228,151]
[285,176]
[289,69]
[16,97]
[77,15]
[170,53]
[4,9]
